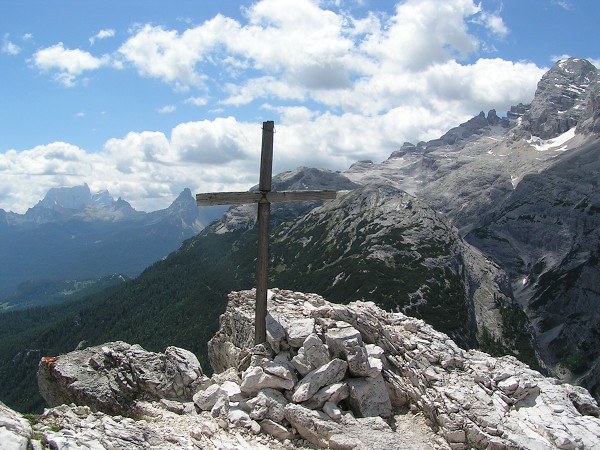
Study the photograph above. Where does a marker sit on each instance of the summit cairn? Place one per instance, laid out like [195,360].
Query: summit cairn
[380,363]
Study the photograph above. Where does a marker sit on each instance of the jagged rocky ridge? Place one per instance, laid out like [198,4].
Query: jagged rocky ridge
[332,376]
[526,194]
[381,243]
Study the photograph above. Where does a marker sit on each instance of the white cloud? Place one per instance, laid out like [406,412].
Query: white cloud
[494,23]
[102,34]
[9,47]
[167,109]
[149,169]
[197,101]
[68,64]
[164,54]
[563,4]
[340,88]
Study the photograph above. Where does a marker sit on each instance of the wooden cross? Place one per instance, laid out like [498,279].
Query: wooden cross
[264,197]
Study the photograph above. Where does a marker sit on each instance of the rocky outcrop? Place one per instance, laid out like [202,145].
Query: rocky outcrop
[545,234]
[471,399]
[331,376]
[590,120]
[112,377]
[561,98]
[15,431]
[476,126]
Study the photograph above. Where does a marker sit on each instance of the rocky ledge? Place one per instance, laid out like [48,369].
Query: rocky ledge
[330,376]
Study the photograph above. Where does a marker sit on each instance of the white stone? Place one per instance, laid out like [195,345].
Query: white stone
[207,398]
[268,404]
[333,393]
[15,431]
[332,410]
[276,430]
[316,351]
[254,379]
[300,363]
[374,351]
[239,418]
[299,330]
[233,391]
[275,332]
[369,397]
[330,373]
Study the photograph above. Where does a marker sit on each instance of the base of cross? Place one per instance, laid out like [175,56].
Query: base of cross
[264,197]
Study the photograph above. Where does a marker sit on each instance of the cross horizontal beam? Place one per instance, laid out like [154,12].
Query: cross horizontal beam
[236,198]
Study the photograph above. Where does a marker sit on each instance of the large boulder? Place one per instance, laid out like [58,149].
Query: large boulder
[112,376]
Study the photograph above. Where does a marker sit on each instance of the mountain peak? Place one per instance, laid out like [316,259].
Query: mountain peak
[575,69]
[67,197]
[561,98]
[102,198]
[184,196]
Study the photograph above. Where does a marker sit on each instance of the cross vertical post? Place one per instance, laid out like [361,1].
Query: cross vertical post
[264,197]
[264,210]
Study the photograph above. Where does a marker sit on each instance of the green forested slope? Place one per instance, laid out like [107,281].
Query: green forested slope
[176,301]
[376,244]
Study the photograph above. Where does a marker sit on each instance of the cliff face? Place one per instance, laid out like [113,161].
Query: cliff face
[524,192]
[546,234]
[332,376]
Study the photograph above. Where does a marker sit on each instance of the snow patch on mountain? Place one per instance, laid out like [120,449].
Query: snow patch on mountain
[558,143]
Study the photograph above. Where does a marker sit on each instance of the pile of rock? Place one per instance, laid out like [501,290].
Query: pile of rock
[311,372]
[325,361]
[332,376]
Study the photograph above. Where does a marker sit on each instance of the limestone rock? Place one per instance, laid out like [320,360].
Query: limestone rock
[346,343]
[299,330]
[275,332]
[369,397]
[314,426]
[316,352]
[275,429]
[330,373]
[15,431]
[256,378]
[207,398]
[333,393]
[268,404]
[110,377]
[471,399]
[560,99]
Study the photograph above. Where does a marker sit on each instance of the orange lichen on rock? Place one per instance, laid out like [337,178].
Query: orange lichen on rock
[49,360]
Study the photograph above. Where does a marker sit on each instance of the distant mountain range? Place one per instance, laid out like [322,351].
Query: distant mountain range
[489,233]
[74,235]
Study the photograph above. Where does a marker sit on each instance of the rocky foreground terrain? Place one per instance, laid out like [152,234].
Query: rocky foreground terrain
[330,376]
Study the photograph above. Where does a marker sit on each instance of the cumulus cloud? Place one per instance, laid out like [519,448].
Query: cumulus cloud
[67,64]
[341,88]
[102,34]
[9,47]
[149,169]
[167,109]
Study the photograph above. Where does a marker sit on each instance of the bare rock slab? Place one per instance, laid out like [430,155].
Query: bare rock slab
[369,397]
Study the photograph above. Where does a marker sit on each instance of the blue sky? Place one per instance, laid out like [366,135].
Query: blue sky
[146,97]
